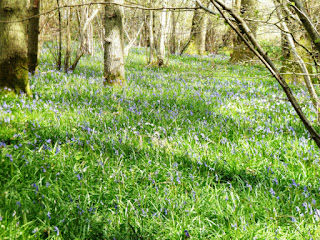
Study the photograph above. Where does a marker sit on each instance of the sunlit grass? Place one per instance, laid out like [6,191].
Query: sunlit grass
[199,145]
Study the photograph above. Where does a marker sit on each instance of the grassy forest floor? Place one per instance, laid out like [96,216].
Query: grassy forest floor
[200,148]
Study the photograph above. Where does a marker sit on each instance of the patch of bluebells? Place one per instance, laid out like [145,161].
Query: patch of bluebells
[10,157]
[191,127]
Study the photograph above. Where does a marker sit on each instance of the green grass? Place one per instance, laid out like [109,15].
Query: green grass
[214,151]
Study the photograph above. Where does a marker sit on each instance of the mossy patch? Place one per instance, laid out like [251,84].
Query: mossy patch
[14,75]
[114,80]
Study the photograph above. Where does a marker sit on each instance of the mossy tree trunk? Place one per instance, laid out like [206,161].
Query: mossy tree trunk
[241,53]
[114,73]
[306,22]
[33,36]
[197,41]
[301,65]
[200,35]
[13,46]
[291,68]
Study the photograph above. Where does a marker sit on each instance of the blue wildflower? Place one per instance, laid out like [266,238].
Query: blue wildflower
[272,192]
[56,229]
[10,157]
[57,150]
[186,233]
[275,180]
[293,219]
[294,183]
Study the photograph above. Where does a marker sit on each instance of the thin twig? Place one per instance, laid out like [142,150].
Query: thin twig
[106,3]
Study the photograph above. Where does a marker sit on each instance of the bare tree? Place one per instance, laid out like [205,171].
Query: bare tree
[242,30]
[59,60]
[133,40]
[33,35]
[114,73]
[84,18]
[151,38]
[163,21]
[68,40]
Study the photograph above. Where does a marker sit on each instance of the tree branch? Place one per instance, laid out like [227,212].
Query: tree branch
[136,6]
[306,22]
[246,35]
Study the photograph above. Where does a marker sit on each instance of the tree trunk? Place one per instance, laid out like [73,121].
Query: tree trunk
[90,40]
[151,39]
[302,65]
[114,73]
[133,40]
[68,41]
[162,49]
[13,46]
[173,34]
[100,25]
[200,35]
[196,44]
[305,20]
[84,24]
[33,36]
[289,67]
[60,38]
[241,52]
[242,29]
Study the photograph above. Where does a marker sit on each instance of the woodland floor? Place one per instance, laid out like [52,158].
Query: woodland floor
[199,147]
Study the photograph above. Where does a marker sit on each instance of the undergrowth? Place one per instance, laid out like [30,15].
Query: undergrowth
[197,148]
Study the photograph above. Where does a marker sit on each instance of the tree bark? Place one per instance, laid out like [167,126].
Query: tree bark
[133,40]
[306,22]
[241,52]
[302,65]
[13,46]
[162,49]
[33,36]
[60,38]
[114,73]
[173,34]
[198,33]
[151,39]
[84,45]
[68,41]
[245,33]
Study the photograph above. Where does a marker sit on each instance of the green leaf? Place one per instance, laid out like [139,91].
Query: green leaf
[317,40]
